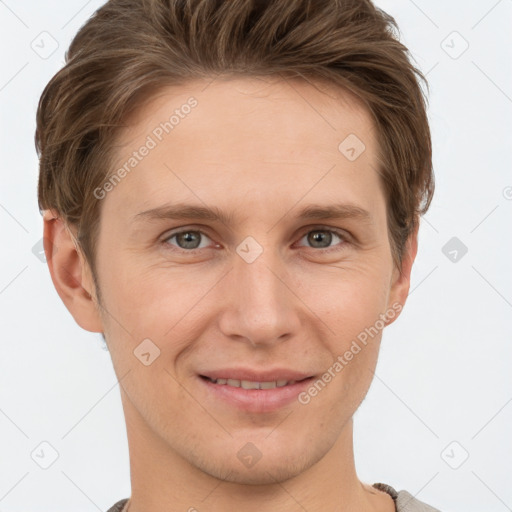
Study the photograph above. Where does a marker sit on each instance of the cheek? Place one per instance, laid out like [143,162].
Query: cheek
[352,307]
[351,310]
[162,304]
[171,302]
[350,301]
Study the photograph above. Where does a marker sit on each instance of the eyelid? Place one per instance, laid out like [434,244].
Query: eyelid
[322,227]
[170,234]
[345,236]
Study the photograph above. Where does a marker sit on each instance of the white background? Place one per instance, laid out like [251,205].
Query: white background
[444,370]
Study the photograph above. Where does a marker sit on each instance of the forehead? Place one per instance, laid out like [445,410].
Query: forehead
[248,136]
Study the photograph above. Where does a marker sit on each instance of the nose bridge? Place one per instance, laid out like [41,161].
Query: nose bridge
[260,308]
[257,280]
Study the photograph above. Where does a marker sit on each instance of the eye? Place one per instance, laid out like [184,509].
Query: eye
[188,240]
[321,238]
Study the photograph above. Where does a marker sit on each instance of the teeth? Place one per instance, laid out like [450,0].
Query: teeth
[249,384]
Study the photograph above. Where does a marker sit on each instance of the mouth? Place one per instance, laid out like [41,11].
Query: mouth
[254,393]
[251,384]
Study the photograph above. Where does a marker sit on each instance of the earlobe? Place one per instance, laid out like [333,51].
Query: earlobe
[401,280]
[70,273]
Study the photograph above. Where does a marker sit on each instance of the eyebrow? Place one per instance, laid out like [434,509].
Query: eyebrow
[213,214]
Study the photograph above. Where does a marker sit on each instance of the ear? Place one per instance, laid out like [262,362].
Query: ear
[401,279]
[70,273]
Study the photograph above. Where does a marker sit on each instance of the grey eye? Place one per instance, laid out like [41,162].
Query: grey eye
[189,239]
[321,238]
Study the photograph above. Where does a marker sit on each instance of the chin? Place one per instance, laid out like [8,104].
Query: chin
[264,474]
[271,467]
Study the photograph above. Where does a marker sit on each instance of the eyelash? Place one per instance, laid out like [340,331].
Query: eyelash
[340,234]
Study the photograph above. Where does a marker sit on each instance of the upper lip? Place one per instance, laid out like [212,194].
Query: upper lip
[256,375]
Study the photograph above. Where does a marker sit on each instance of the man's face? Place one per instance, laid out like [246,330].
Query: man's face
[265,293]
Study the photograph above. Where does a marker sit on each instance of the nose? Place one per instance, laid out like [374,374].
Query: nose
[260,303]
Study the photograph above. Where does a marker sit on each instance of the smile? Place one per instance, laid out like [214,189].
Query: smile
[254,395]
[249,384]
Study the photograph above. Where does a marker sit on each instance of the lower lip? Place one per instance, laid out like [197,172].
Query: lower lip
[256,400]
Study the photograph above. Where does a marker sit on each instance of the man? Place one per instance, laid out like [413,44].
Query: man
[231,196]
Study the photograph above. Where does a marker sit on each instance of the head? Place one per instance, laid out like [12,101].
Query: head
[236,186]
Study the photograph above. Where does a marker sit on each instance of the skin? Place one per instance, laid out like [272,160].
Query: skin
[259,151]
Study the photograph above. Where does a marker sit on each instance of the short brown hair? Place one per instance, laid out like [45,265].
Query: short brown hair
[131,48]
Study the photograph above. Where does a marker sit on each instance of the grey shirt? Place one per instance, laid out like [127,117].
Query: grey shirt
[404,502]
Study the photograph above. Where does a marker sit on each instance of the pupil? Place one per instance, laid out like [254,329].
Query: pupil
[188,240]
[320,236]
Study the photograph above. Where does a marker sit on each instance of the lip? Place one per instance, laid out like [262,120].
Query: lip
[255,400]
[255,375]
